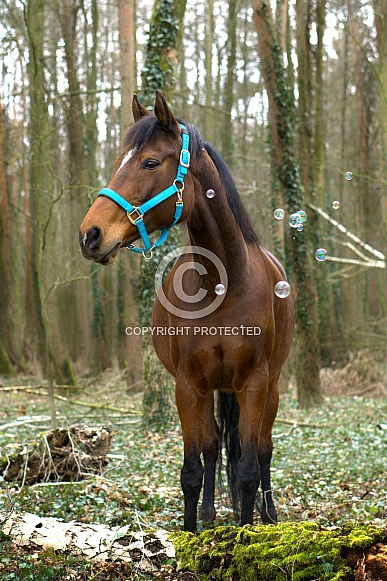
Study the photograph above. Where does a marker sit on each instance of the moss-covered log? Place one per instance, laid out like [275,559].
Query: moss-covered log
[300,551]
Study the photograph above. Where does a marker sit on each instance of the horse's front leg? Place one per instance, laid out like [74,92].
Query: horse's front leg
[251,403]
[210,451]
[191,412]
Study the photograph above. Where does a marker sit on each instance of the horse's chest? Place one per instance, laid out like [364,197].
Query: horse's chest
[220,364]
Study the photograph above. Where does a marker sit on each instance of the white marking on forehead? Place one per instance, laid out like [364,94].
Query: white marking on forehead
[125,159]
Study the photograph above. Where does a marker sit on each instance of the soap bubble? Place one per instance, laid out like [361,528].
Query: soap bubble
[294,220]
[320,254]
[220,289]
[210,193]
[302,215]
[335,205]
[348,175]
[279,213]
[282,289]
[300,227]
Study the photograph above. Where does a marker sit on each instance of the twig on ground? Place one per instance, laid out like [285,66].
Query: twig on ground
[61,482]
[301,424]
[365,389]
[27,387]
[26,420]
[285,435]
[87,404]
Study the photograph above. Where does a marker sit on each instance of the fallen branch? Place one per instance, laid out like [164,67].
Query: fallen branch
[87,404]
[360,392]
[27,387]
[252,552]
[25,420]
[297,424]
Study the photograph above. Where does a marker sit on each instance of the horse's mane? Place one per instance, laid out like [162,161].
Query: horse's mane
[146,128]
[233,196]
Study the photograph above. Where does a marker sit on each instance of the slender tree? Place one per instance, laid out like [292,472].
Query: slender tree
[128,309]
[6,335]
[41,186]
[380,9]
[159,72]
[280,116]
[209,41]
[228,89]
[127,61]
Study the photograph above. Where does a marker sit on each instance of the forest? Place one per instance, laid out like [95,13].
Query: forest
[293,93]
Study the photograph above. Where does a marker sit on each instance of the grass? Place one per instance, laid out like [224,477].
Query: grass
[329,473]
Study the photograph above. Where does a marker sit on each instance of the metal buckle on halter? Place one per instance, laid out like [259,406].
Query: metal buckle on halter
[185,158]
[134,220]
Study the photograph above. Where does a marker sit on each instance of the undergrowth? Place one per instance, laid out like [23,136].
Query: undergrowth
[328,466]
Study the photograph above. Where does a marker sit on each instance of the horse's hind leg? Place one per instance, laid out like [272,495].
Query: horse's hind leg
[210,451]
[268,512]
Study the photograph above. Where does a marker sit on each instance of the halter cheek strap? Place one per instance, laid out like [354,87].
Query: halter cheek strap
[135,213]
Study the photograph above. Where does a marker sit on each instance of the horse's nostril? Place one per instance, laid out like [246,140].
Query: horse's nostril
[92,238]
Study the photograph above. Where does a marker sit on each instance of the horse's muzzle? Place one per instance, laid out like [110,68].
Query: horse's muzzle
[90,244]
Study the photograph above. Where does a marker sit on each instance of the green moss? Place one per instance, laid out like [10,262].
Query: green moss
[5,364]
[289,551]
[68,372]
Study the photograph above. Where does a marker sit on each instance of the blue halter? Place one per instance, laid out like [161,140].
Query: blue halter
[135,214]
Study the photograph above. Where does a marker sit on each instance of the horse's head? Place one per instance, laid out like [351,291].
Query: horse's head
[145,191]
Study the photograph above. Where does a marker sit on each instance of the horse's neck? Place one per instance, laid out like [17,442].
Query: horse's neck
[212,226]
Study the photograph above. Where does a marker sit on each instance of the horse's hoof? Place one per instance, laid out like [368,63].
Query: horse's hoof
[207,514]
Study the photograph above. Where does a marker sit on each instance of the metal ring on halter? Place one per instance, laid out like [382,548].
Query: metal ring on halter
[150,256]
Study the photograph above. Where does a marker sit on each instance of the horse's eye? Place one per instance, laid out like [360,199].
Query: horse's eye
[150,164]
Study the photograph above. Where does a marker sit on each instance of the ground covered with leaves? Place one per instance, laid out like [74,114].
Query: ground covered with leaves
[329,467]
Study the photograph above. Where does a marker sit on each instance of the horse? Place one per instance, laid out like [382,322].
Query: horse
[218,326]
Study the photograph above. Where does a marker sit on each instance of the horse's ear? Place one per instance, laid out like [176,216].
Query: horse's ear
[138,110]
[165,115]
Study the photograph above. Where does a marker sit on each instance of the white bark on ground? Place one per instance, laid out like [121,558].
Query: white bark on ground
[145,550]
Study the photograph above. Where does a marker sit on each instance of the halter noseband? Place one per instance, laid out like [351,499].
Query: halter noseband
[135,213]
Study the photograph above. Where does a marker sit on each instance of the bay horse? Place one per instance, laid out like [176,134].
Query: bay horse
[218,324]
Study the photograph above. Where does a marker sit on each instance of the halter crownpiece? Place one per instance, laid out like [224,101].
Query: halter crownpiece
[135,213]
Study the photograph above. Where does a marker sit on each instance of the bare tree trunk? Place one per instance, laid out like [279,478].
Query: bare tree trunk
[282,22]
[128,313]
[74,111]
[209,41]
[5,267]
[228,89]
[77,169]
[40,186]
[380,202]
[164,45]
[305,132]
[319,109]
[307,366]
[127,61]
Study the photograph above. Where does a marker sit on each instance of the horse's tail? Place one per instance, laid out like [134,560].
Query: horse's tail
[228,419]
